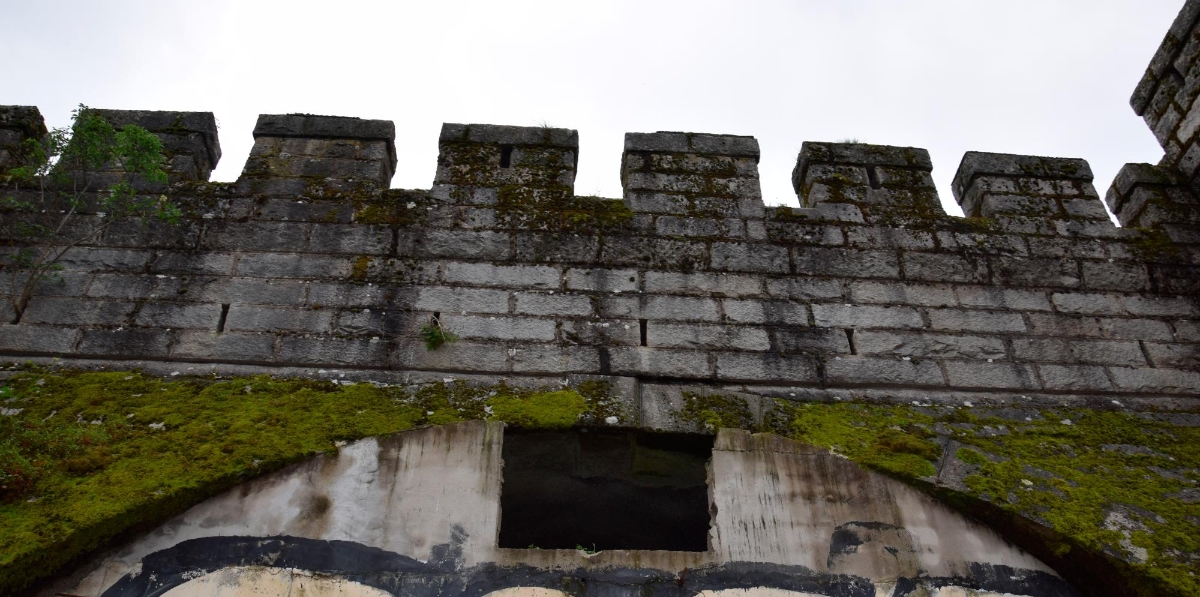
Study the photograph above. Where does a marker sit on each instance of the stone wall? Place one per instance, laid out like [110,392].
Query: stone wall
[309,261]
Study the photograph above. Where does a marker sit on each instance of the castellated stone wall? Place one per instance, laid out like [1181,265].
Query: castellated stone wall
[309,260]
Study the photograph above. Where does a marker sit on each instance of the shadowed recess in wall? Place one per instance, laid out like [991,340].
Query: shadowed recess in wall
[568,489]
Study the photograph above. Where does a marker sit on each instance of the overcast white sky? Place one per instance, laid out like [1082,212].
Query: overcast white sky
[1044,77]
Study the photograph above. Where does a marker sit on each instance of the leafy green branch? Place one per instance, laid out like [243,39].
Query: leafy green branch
[55,182]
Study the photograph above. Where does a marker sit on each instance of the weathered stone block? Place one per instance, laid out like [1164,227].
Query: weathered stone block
[927,345]
[707,337]
[179,315]
[1102,304]
[461,300]
[975,321]
[750,258]
[735,366]
[934,267]
[77,311]
[249,318]
[714,284]
[873,371]
[124,343]
[866,316]
[555,359]
[980,374]
[334,352]
[850,263]
[659,362]
[227,347]
[510,276]
[27,338]
[551,304]
[1074,377]
[500,327]
[660,307]
[289,265]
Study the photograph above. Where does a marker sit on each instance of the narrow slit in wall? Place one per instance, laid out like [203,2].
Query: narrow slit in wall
[224,316]
[850,341]
[506,155]
[642,330]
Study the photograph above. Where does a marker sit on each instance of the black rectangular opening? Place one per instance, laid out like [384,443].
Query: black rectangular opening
[601,489]
[505,155]
[642,328]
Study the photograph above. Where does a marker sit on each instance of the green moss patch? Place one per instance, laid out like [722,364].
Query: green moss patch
[1112,484]
[86,458]
[524,208]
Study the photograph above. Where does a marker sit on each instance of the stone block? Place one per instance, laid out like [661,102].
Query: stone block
[981,374]
[1002,299]
[765,312]
[552,304]
[602,332]
[193,263]
[668,308]
[1074,377]
[500,327]
[872,237]
[546,359]
[866,316]
[755,257]
[179,315]
[1056,273]
[709,284]
[255,236]
[93,259]
[707,337]
[251,318]
[562,248]
[1167,381]
[27,338]
[927,295]
[740,366]
[227,347]
[1078,351]
[349,294]
[294,265]
[1173,355]
[653,253]
[602,280]
[659,362]
[1161,306]
[77,311]
[356,239]
[815,341]
[970,320]
[464,244]
[254,291]
[1092,304]
[928,345]
[805,288]
[142,343]
[1138,329]
[379,322]
[507,276]
[447,299]
[863,370]
[701,227]
[1056,324]
[459,356]
[935,267]
[333,352]
[852,263]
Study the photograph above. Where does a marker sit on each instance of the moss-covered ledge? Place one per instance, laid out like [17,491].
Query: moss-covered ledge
[1109,498]
[87,459]
[90,458]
